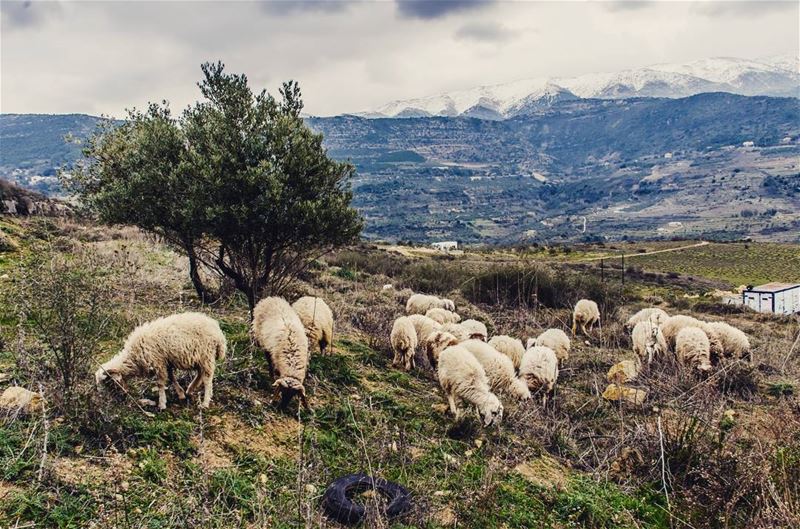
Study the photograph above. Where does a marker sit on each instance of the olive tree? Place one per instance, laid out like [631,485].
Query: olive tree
[238,182]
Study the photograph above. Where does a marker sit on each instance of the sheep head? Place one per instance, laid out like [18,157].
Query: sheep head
[288,387]
[491,411]
[105,374]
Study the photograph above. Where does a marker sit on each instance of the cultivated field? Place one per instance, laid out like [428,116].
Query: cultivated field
[722,451]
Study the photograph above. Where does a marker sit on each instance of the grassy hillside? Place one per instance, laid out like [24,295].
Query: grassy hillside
[679,460]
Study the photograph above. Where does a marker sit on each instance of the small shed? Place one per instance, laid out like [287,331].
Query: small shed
[780,298]
[445,246]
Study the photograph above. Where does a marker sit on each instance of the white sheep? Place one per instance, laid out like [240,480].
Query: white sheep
[674,324]
[539,370]
[476,329]
[499,369]
[692,348]
[462,378]
[437,342]
[422,303]
[652,314]
[278,330]
[648,340]
[404,342]
[511,347]
[189,340]
[317,318]
[425,327]
[734,342]
[456,330]
[443,316]
[585,313]
[557,340]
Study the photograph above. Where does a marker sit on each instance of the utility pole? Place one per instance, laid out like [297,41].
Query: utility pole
[623,269]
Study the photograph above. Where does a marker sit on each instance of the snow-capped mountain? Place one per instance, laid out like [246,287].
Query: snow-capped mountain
[775,76]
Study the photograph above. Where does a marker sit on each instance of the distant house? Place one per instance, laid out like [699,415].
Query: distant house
[445,246]
[667,155]
[748,144]
[779,298]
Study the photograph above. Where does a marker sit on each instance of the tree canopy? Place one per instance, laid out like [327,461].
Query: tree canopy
[238,182]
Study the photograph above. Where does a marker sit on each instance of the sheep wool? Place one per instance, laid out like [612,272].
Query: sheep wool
[648,341]
[437,342]
[457,330]
[278,330]
[674,324]
[586,313]
[443,316]
[652,314]
[557,340]
[693,349]
[539,370]
[462,378]
[404,343]
[317,319]
[422,303]
[734,342]
[476,329]
[511,347]
[190,340]
[499,369]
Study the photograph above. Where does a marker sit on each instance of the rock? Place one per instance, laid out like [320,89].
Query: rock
[19,399]
[623,372]
[544,472]
[616,392]
[311,489]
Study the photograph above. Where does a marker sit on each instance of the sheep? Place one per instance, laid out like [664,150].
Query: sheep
[585,313]
[456,330]
[278,330]
[19,400]
[404,342]
[462,377]
[437,342]
[317,319]
[476,329]
[539,370]
[557,340]
[443,316]
[733,341]
[424,327]
[648,340]
[652,314]
[693,348]
[422,303]
[674,324]
[499,369]
[189,340]
[511,347]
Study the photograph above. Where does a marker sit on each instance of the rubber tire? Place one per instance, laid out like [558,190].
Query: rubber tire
[339,506]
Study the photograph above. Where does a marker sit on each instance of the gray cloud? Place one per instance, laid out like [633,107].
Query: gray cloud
[627,5]
[22,14]
[741,8]
[485,32]
[430,9]
[288,7]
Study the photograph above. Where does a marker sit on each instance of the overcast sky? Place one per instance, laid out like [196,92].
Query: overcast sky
[103,57]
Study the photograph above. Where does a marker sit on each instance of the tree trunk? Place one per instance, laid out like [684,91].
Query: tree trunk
[194,273]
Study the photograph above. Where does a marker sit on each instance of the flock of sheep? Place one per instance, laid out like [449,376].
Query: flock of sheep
[471,367]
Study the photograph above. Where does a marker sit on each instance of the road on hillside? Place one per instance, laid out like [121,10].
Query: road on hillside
[619,256]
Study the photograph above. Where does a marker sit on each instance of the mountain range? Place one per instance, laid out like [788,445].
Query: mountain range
[772,76]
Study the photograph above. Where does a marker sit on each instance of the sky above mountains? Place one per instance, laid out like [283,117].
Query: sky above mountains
[103,57]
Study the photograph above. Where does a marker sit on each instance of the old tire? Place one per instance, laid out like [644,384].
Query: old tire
[338,498]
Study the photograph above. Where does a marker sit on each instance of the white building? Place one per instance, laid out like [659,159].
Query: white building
[748,144]
[445,246]
[780,298]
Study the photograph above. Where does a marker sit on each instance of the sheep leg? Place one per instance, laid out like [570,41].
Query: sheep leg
[574,327]
[198,379]
[269,364]
[175,384]
[208,383]
[453,408]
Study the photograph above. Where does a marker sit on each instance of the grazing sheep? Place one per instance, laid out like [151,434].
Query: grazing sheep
[585,313]
[476,329]
[437,342]
[278,330]
[693,348]
[648,340]
[443,316]
[317,318]
[462,378]
[425,327]
[539,370]
[557,340]
[511,347]
[652,314]
[422,303]
[499,369]
[674,324]
[456,330]
[189,340]
[734,342]
[404,342]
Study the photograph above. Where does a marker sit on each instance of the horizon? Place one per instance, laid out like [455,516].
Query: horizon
[459,46]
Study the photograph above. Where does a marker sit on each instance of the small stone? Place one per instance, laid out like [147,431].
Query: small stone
[124,486]
[468,453]
[622,372]
[440,493]
[450,459]
[616,392]
[394,446]
[78,449]
[311,489]
[478,443]
[262,478]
